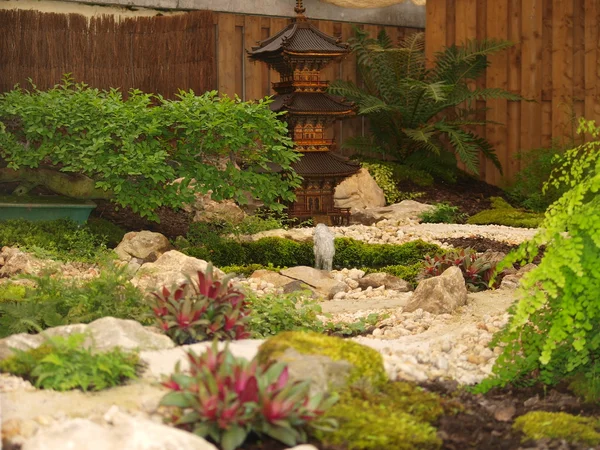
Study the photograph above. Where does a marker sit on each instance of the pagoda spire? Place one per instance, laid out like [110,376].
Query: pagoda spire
[300,9]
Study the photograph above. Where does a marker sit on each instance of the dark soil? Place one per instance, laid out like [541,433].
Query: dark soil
[468,193]
[484,422]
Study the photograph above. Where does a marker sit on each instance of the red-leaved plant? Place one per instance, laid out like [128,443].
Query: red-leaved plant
[225,399]
[205,310]
[477,271]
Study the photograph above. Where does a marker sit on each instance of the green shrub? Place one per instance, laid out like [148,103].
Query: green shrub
[443,213]
[60,301]
[504,214]
[528,187]
[279,252]
[108,232]
[62,364]
[273,314]
[130,147]
[57,239]
[353,253]
[553,331]
[12,292]
[538,425]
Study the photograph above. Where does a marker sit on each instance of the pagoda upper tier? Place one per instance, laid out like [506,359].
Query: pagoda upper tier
[299,46]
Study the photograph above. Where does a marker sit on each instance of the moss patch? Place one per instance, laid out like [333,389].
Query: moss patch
[504,214]
[396,418]
[540,424]
[368,363]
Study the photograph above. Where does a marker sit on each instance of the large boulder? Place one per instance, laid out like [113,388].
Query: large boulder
[401,213]
[104,334]
[170,269]
[270,276]
[359,191]
[208,210]
[16,262]
[328,362]
[379,279]
[322,281]
[146,246]
[124,433]
[441,294]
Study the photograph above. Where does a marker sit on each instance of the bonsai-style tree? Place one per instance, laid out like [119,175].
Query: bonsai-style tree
[93,144]
[421,117]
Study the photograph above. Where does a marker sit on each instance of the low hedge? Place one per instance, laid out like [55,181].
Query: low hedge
[287,253]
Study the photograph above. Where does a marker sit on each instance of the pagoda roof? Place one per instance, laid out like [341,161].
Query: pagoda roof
[312,103]
[299,37]
[324,164]
[320,164]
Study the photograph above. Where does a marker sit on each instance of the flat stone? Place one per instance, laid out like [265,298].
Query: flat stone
[322,281]
[379,279]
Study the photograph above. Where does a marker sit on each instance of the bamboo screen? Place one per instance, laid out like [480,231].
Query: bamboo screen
[158,54]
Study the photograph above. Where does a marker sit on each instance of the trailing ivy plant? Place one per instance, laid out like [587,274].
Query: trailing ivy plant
[554,329]
[422,117]
[89,143]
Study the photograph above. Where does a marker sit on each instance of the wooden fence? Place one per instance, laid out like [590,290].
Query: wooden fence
[555,62]
[198,50]
[155,54]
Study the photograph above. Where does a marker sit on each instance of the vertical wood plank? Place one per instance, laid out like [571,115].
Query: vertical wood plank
[497,77]
[239,68]
[450,22]
[350,127]
[265,31]
[514,85]
[435,31]
[546,62]
[531,73]
[592,60]
[226,53]
[562,66]
[579,52]
[329,73]
[277,24]
[465,21]
[482,31]
[252,73]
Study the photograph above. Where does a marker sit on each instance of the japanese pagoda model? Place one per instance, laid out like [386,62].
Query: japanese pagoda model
[299,52]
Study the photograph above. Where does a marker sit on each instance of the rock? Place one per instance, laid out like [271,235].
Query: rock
[299,286]
[398,212]
[511,281]
[378,279]
[17,262]
[359,191]
[269,276]
[359,363]
[144,245]
[324,373]
[208,210]
[320,280]
[170,269]
[104,334]
[441,294]
[294,234]
[492,257]
[127,433]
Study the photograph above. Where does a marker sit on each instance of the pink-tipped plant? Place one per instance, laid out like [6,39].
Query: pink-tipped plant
[202,310]
[225,399]
[477,271]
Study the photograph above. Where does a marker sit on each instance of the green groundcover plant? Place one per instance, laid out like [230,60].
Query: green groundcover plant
[63,363]
[554,329]
[83,142]
[50,300]
[422,117]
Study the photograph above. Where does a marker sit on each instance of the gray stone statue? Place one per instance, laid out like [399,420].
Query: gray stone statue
[323,248]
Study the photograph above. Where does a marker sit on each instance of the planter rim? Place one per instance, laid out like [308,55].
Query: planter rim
[49,205]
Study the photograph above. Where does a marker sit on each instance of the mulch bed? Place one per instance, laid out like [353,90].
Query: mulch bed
[469,194]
